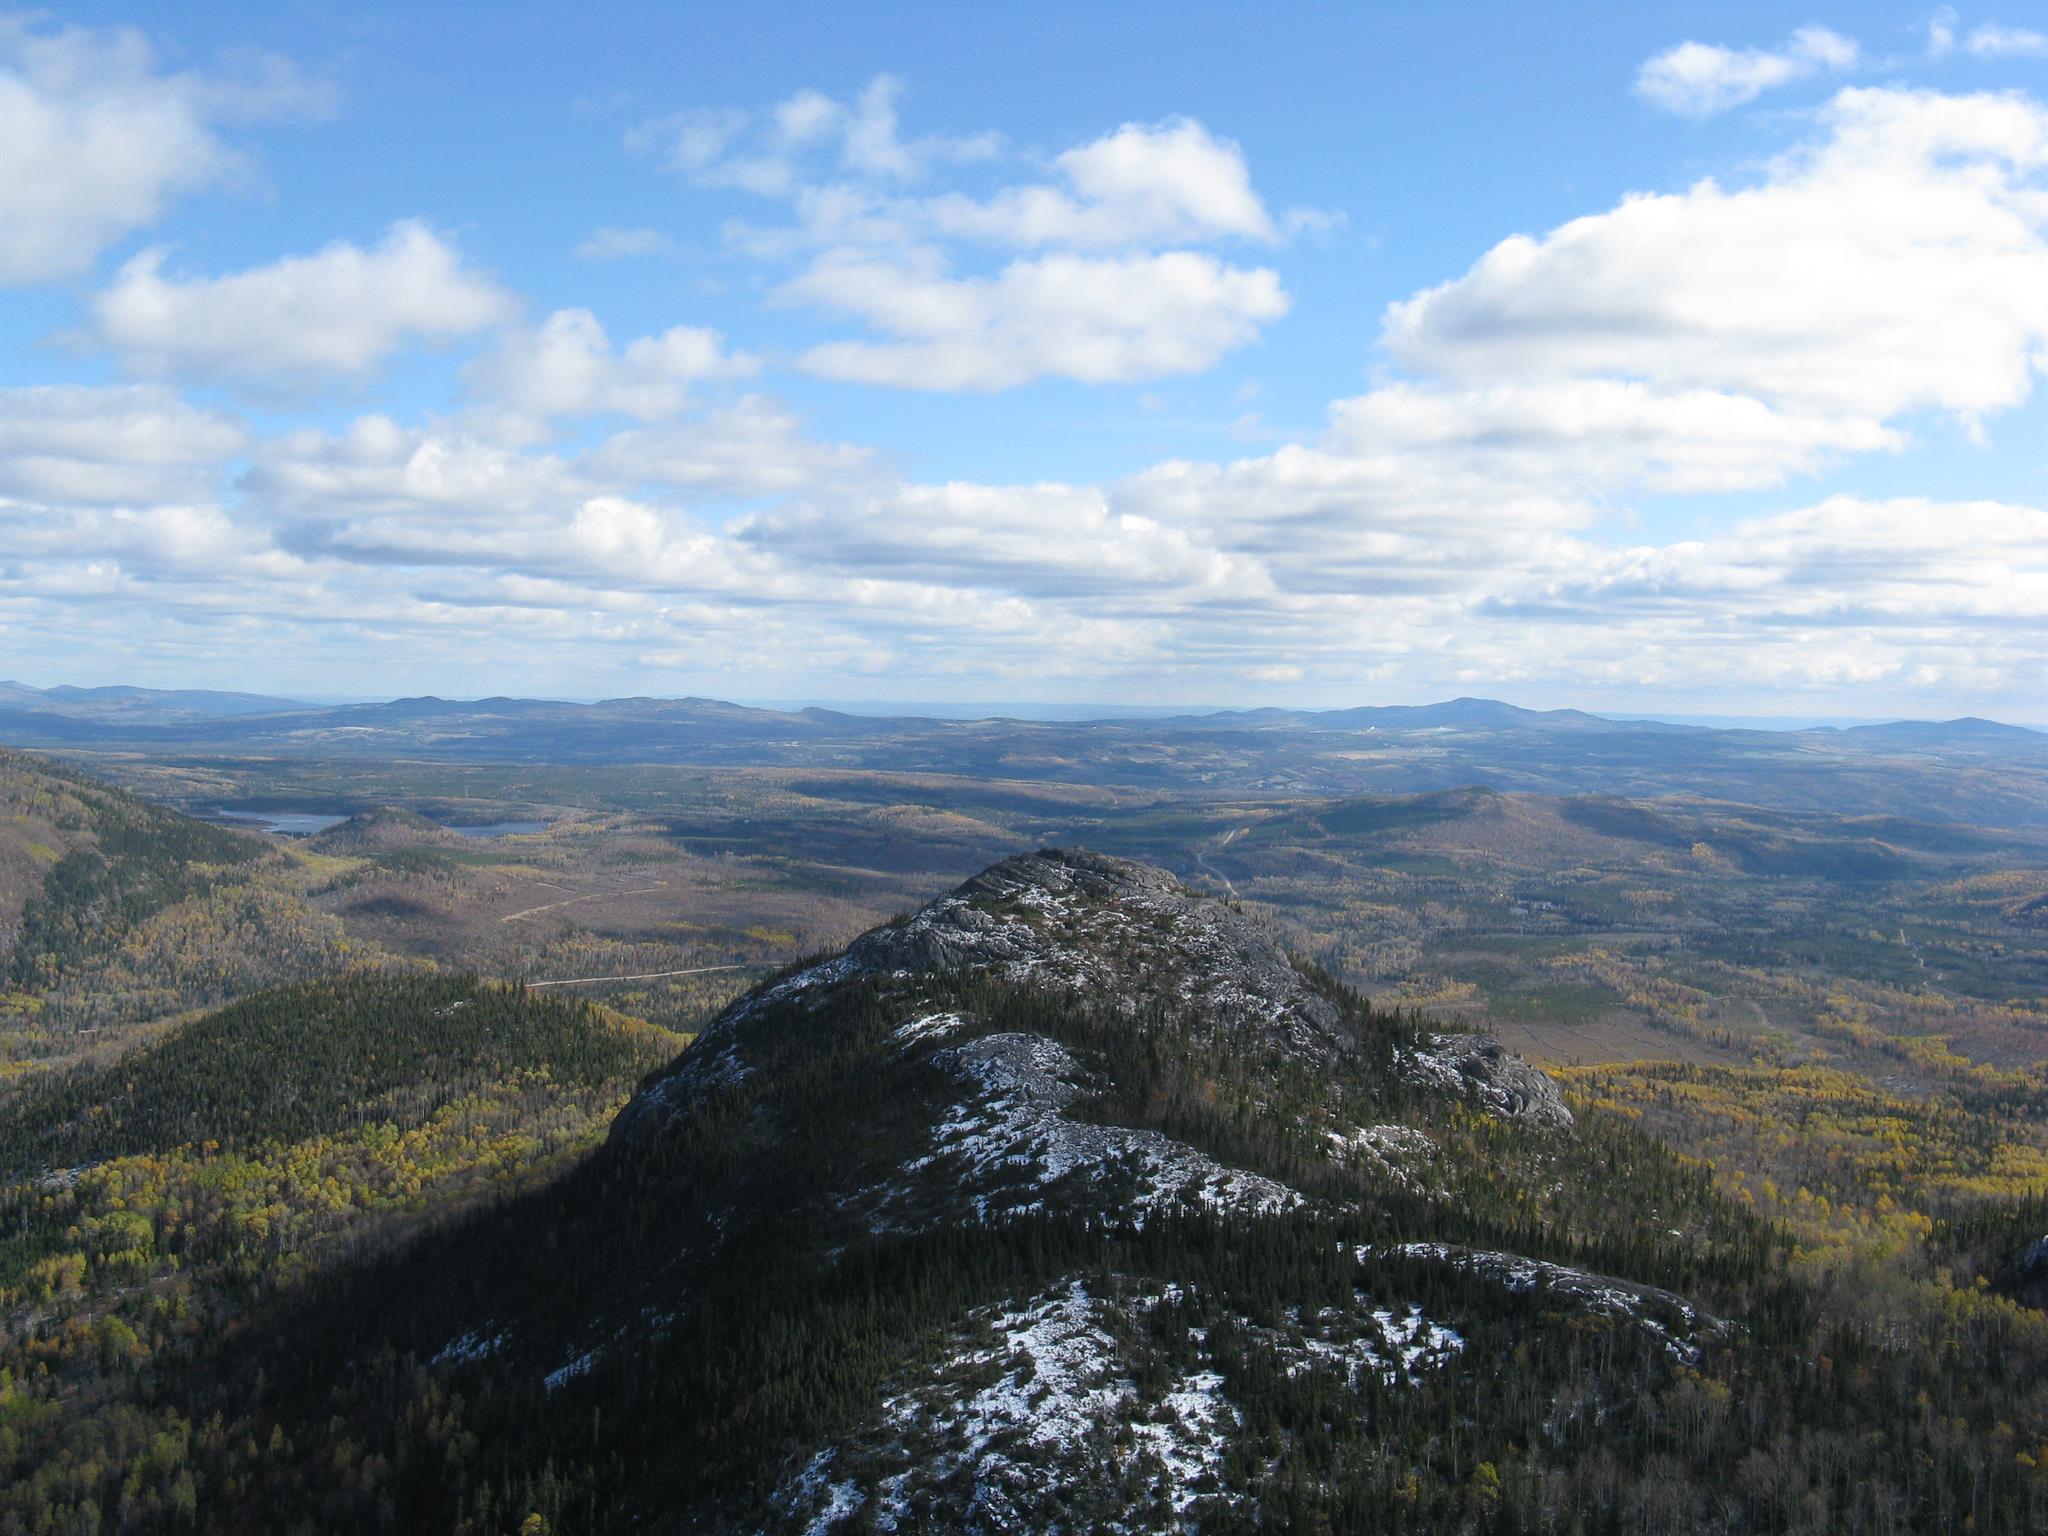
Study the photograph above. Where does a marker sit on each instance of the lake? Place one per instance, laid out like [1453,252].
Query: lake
[308,823]
[288,823]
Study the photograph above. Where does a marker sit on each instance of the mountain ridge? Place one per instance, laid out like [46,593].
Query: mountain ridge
[1031,1145]
[115,705]
[1974,771]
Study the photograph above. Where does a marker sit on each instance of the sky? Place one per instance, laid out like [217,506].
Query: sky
[1670,358]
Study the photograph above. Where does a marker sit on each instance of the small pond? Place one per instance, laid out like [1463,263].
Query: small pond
[287,823]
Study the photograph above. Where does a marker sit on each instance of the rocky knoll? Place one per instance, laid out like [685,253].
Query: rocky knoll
[1125,935]
[1072,1201]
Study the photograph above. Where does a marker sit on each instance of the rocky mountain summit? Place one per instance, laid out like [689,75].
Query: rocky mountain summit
[1071,1202]
[1120,935]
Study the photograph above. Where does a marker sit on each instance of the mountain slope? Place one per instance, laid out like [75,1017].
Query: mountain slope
[221,1165]
[1069,1202]
[115,912]
[313,1058]
[82,864]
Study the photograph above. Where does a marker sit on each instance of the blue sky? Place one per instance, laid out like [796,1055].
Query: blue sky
[1669,358]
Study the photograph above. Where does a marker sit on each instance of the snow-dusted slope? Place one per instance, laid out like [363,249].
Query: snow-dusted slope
[1135,1097]
[1112,931]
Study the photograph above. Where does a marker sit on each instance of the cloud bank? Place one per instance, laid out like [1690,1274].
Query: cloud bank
[604,503]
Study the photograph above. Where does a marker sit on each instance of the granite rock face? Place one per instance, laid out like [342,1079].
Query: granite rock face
[1117,932]
[1111,925]
[1073,1043]
[1501,1081]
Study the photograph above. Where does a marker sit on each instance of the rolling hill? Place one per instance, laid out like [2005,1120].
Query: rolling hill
[1970,770]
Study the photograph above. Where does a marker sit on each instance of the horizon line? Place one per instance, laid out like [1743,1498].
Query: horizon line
[1049,712]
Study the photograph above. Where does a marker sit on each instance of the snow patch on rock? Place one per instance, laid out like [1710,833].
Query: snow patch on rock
[1662,1314]
[1189,1432]
[812,1496]
[562,1375]
[1012,1138]
[1366,1340]
[1391,1150]
[1061,1400]
[471,1346]
[1418,1341]
[932,1026]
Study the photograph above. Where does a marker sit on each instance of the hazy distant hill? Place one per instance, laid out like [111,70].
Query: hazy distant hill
[118,705]
[1987,734]
[1962,770]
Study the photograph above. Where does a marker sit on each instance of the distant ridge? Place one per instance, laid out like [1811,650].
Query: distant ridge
[1965,728]
[1973,770]
[120,702]
[1463,711]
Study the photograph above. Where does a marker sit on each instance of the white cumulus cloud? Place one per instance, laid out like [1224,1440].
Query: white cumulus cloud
[1701,79]
[1096,319]
[97,140]
[1106,280]
[772,153]
[127,443]
[337,313]
[1464,524]
[1995,42]
[568,367]
[1172,182]
[1606,433]
[1901,264]
[754,447]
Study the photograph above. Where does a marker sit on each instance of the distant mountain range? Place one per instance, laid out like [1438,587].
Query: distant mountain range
[138,704]
[122,705]
[1968,769]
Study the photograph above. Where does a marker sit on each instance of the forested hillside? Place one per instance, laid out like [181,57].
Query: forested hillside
[313,1059]
[1075,1198]
[158,1206]
[82,865]
[114,911]
[1072,1202]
